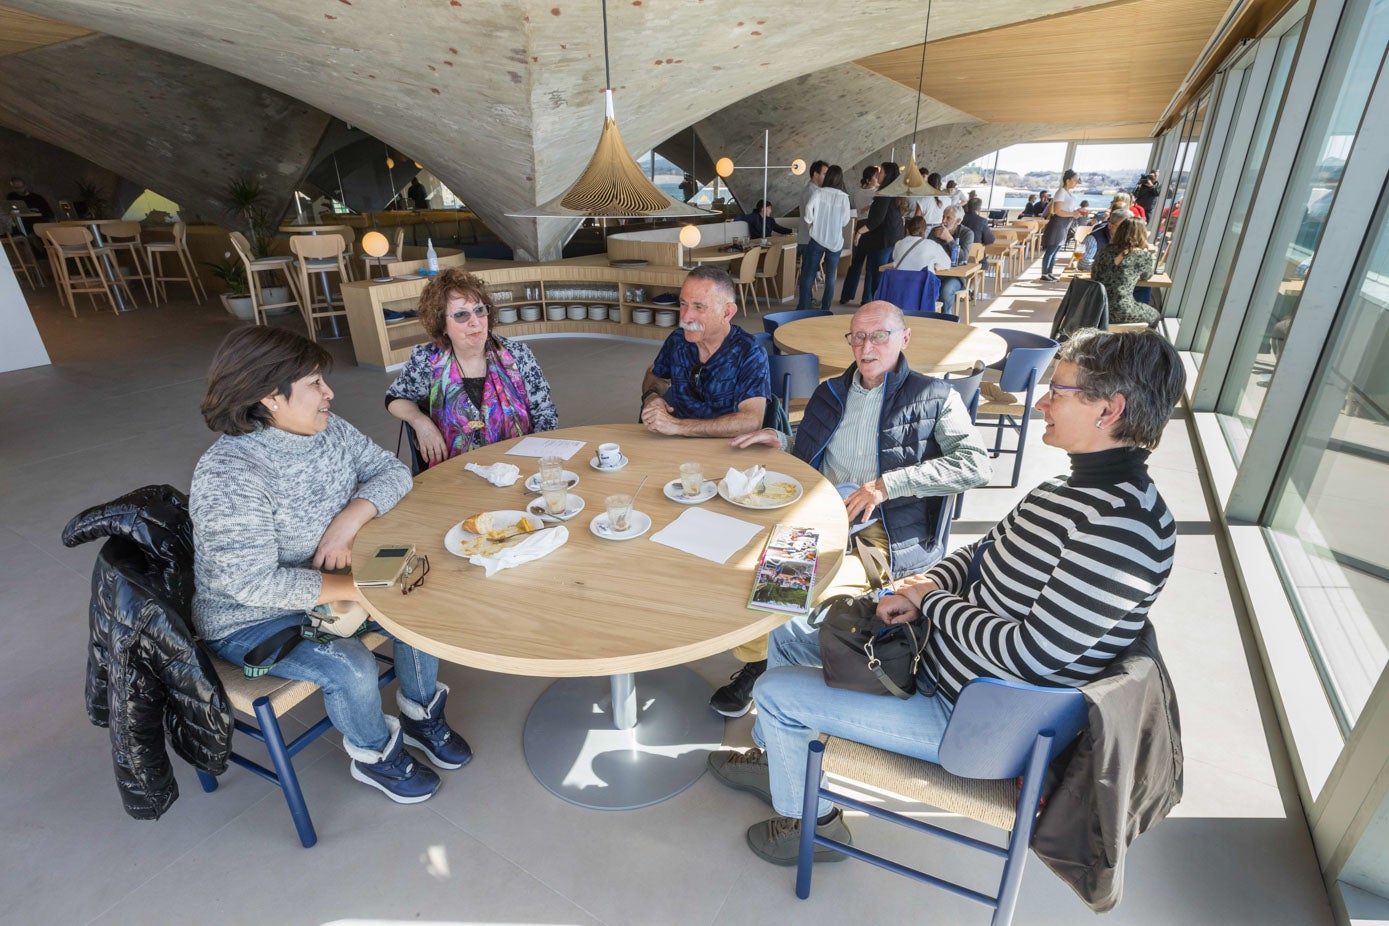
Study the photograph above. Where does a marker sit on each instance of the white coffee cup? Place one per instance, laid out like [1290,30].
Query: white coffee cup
[609,455]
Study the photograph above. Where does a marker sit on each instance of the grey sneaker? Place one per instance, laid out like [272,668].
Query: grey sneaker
[743,771]
[778,840]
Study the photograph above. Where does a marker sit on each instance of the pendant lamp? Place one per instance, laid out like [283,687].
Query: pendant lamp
[612,185]
[910,182]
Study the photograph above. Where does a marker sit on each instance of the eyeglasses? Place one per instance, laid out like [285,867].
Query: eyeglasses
[696,372]
[1055,390]
[420,562]
[462,314]
[856,338]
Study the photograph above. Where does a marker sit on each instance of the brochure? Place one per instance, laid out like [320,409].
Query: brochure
[785,576]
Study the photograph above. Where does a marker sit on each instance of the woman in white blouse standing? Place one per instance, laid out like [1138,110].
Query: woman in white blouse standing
[1065,209]
[828,211]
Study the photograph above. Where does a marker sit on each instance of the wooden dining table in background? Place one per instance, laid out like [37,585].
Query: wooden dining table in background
[937,346]
[596,612]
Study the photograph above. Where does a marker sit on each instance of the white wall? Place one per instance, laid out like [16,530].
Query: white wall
[20,345]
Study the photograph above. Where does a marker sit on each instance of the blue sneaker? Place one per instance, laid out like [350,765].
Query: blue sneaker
[425,728]
[393,771]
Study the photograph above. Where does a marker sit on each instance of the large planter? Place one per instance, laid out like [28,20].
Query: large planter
[269,295]
[240,306]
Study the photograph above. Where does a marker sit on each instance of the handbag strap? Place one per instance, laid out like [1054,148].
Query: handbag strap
[876,667]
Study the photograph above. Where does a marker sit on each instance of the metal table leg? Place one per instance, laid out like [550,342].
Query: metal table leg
[622,742]
[112,268]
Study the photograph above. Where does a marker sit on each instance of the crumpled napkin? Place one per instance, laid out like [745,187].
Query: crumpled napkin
[536,545]
[499,474]
[744,483]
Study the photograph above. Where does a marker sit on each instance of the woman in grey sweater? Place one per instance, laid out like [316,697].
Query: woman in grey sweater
[276,503]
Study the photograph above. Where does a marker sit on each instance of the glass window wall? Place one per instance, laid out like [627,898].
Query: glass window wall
[1180,180]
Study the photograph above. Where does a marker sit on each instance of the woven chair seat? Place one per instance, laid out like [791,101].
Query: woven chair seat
[283,693]
[991,802]
[994,401]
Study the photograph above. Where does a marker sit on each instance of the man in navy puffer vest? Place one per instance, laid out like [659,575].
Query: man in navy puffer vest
[898,442]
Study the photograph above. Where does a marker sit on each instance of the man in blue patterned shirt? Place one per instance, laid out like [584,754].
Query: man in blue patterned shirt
[710,378]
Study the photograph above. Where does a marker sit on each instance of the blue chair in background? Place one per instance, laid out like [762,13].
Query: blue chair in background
[909,290]
[1012,397]
[765,340]
[794,380]
[772,320]
[999,731]
[939,316]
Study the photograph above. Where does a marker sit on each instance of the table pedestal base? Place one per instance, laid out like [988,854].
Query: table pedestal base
[575,750]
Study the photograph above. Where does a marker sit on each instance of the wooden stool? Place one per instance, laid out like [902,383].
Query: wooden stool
[257,265]
[125,236]
[154,253]
[75,243]
[23,258]
[319,254]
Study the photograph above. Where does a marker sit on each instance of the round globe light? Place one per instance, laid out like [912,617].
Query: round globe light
[390,163]
[724,167]
[689,235]
[375,244]
[798,166]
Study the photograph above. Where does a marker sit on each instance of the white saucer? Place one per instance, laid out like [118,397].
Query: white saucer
[593,461]
[573,505]
[675,491]
[533,482]
[641,523]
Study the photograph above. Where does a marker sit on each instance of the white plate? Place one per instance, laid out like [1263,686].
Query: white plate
[459,542]
[573,504]
[593,461]
[782,490]
[641,523]
[533,482]
[675,491]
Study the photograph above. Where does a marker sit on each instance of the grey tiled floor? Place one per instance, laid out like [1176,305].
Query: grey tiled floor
[118,409]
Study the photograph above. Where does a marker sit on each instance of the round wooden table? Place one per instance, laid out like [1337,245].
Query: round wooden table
[594,612]
[936,346]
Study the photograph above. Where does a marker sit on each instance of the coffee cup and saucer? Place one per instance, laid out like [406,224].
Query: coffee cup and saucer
[609,459]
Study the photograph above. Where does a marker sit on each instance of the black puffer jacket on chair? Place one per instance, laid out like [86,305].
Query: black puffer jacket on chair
[146,673]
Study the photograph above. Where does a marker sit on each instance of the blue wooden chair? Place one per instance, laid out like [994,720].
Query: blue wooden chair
[267,699]
[771,320]
[1012,397]
[968,386]
[765,339]
[924,313]
[998,732]
[794,380]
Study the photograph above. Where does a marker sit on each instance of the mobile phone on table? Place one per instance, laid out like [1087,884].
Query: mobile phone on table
[383,567]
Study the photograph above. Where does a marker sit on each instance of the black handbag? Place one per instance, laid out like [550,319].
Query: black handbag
[858,652]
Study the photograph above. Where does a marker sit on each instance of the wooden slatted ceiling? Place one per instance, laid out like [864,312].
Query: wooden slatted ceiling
[21,32]
[1117,63]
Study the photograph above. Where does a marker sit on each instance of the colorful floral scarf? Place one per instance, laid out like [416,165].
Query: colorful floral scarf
[505,411]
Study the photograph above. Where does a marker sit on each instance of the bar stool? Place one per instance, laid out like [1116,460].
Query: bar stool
[349,239]
[154,253]
[22,252]
[125,236]
[319,254]
[258,265]
[370,263]
[75,243]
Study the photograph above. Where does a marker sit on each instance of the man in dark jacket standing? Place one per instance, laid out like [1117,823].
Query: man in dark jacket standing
[895,441]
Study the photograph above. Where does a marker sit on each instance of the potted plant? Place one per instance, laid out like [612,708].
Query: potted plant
[237,298]
[245,199]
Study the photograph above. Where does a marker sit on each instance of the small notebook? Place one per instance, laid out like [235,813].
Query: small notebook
[785,576]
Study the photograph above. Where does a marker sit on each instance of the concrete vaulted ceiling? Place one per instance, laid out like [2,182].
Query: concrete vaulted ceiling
[502,100]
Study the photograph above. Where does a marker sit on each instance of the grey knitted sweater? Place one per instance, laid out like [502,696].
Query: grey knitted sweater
[260,503]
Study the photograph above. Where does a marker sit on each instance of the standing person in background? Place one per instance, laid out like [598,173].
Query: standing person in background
[812,186]
[958,197]
[1065,209]
[688,187]
[932,207]
[862,200]
[824,219]
[878,233]
[1145,195]
[417,194]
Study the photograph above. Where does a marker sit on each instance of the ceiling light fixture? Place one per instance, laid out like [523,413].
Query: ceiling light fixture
[910,182]
[725,168]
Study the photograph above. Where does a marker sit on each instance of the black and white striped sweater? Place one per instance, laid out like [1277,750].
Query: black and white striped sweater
[1066,584]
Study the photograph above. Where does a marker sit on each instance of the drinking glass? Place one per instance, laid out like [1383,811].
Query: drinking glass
[691,479]
[619,511]
[556,495]
[551,469]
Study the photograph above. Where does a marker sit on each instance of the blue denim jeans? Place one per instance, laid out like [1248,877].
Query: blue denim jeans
[346,671]
[1049,259]
[814,252]
[873,275]
[856,263]
[949,286]
[794,705]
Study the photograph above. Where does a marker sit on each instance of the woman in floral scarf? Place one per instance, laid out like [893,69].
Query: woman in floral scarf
[468,387]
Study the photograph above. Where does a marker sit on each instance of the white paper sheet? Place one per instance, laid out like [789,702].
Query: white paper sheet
[545,447]
[707,534]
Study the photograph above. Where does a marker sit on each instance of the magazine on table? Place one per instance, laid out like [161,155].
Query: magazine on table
[785,574]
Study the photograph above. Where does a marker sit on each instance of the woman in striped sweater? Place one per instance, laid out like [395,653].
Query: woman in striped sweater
[1063,584]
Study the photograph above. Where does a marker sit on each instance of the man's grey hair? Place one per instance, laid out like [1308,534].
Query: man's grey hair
[728,290]
[1139,364]
[1118,215]
[895,318]
[951,213]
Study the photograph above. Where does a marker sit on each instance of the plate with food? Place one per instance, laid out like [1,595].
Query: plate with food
[777,491]
[487,532]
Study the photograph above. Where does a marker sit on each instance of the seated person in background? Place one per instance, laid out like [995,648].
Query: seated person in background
[467,387]
[1119,266]
[20,192]
[878,413]
[1031,207]
[760,222]
[1100,237]
[710,378]
[960,234]
[1125,201]
[276,503]
[1064,584]
[1085,204]
[917,252]
[955,239]
[976,223]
